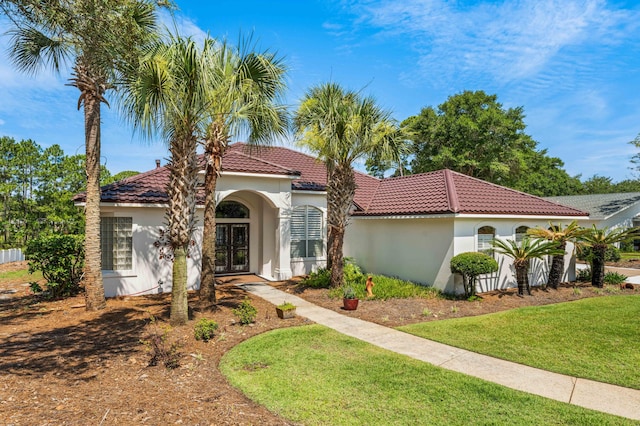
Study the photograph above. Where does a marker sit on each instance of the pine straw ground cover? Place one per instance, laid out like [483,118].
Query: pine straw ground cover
[61,365]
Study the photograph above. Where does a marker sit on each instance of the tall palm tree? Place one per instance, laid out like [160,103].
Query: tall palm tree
[522,254]
[170,95]
[98,39]
[245,99]
[562,236]
[599,239]
[341,127]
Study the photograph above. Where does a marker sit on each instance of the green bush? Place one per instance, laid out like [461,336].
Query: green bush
[611,255]
[61,259]
[287,306]
[246,312]
[205,329]
[470,265]
[614,278]
[322,277]
[584,275]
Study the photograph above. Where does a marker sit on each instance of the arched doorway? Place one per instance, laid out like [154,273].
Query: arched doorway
[232,238]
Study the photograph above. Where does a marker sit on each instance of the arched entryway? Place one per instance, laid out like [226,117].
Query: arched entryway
[232,238]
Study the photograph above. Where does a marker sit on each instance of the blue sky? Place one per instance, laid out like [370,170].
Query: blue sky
[574,66]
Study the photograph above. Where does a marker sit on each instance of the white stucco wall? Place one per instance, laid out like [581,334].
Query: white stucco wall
[420,249]
[415,249]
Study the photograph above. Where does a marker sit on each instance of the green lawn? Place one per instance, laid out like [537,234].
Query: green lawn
[597,338]
[634,255]
[22,274]
[316,376]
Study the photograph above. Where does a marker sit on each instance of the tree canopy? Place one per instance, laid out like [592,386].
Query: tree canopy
[472,133]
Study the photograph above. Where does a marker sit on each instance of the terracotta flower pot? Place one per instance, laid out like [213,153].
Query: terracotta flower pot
[350,304]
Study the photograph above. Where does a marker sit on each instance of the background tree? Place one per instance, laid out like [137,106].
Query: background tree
[598,240]
[97,38]
[245,98]
[522,253]
[170,95]
[561,236]
[340,127]
[473,134]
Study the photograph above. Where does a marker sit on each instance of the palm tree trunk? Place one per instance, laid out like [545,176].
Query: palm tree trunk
[179,302]
[341,188]
[214,150]
[181,218]
[522,277]
[597,265]
[94,288]
[557,269]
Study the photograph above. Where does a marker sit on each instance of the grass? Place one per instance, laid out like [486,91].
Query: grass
[591,338]
[22,274]
[389,288]
[634,255]
[315,376]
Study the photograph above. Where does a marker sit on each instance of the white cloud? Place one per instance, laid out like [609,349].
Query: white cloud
[508,41]
[1,122]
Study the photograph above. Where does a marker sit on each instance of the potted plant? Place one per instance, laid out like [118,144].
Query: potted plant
[286,310]
[349,299]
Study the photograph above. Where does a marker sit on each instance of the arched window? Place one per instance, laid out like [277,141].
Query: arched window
[521,232]
[232,210]
[485,235]
[307,237]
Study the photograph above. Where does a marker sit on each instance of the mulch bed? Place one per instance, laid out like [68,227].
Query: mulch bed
[62,365]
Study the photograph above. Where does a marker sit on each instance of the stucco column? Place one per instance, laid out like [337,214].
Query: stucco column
[283,243]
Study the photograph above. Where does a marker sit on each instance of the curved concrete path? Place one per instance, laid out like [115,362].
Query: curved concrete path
[585,393]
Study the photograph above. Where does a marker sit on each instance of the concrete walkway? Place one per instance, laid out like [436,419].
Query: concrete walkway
[585,393]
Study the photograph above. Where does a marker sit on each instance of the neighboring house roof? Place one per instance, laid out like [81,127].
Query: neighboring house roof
[440,192]
[599,206]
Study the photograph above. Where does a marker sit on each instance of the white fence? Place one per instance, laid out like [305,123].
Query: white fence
[11,255]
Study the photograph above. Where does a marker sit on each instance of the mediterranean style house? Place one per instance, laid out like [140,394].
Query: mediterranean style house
[271,221]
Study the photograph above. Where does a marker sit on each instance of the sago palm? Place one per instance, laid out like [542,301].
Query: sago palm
[599,239]
[245,99]
[562,236]
[170,95]
[98,39]
[341,127]
[522,253]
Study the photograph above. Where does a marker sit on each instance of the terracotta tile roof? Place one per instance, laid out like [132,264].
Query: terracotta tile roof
[440,192]
[447,192]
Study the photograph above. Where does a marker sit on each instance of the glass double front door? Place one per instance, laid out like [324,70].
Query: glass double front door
[232,247]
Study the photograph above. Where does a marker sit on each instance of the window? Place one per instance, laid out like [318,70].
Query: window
[116,243]
[231,210]
[521,232]
[306,232]
[486,234]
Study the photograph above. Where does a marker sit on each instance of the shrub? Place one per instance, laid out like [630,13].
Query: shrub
[205,329]
[322,277]
[470,265]
[160,349]
[246,312]
[584,275]
[61,259]
[611,255]
[614,278]
[318,279]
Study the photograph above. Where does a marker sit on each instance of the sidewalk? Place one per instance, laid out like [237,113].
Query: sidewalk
[585,393]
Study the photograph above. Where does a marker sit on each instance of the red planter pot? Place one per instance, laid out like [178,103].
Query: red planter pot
[350,304]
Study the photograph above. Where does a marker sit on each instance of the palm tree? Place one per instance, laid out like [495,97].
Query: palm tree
[170,95]
[599,239]
[244,98]
[560,235]
[98,38]
[522,254]
[341,127]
